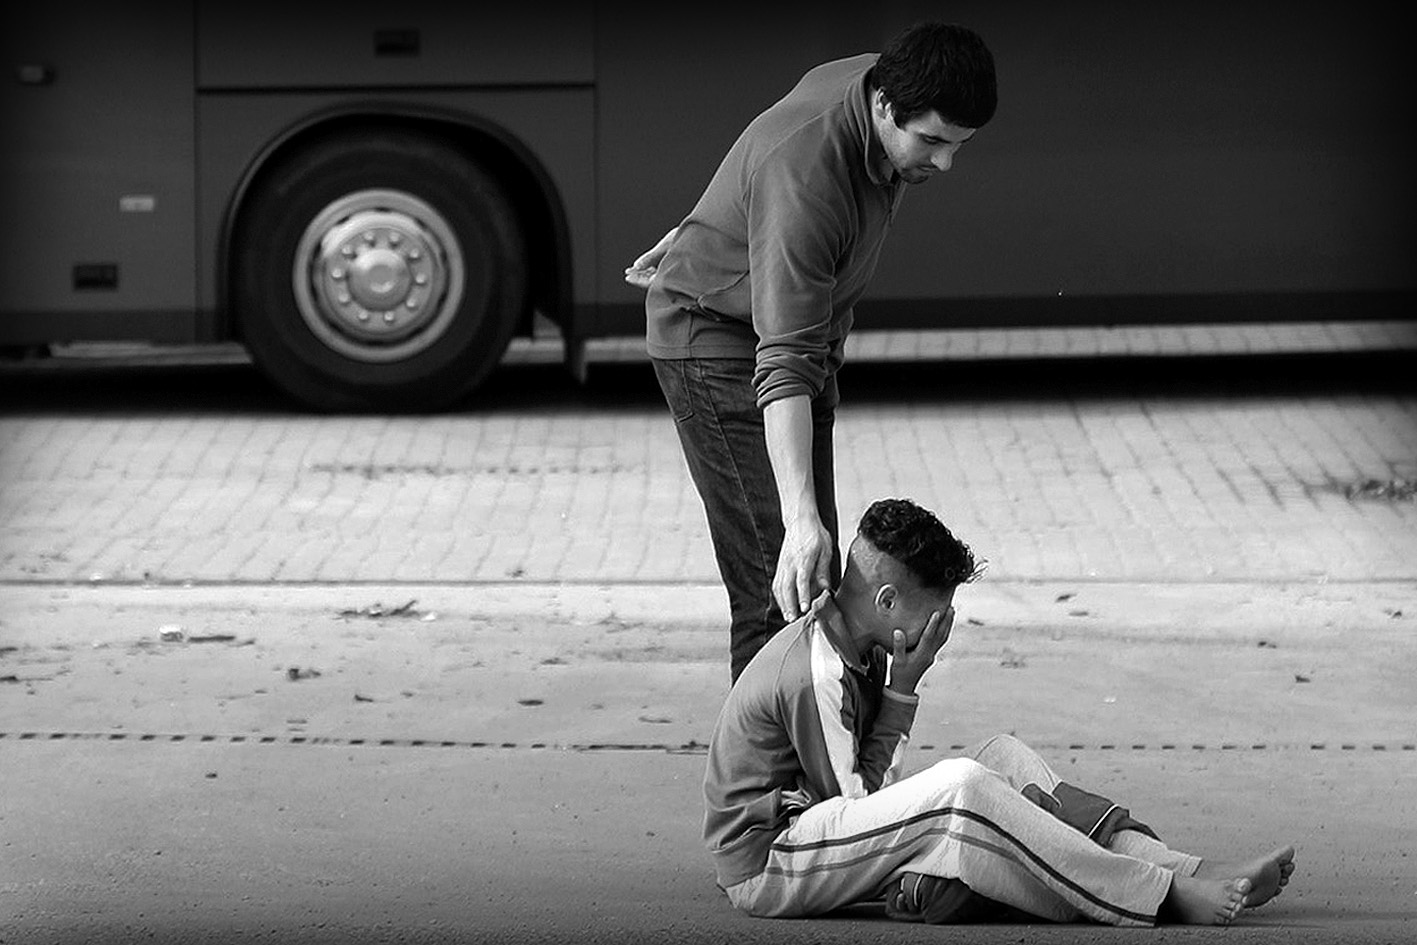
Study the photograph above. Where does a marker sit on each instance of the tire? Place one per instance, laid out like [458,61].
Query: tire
[382,271]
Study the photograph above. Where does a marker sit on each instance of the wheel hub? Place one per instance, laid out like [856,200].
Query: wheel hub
[378,275]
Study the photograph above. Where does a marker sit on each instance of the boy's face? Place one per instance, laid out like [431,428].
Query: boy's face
[913,608]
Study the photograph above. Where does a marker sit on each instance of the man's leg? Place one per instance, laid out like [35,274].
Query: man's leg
[957,820]
[720,428]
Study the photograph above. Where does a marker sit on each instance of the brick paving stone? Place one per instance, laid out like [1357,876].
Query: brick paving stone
[1128,488]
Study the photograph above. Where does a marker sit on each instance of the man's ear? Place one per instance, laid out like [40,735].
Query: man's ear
[886,596]
[881,105]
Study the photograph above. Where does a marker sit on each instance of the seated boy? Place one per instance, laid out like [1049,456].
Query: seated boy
[806,812]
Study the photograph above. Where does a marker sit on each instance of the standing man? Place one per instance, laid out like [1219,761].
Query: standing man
[750,301]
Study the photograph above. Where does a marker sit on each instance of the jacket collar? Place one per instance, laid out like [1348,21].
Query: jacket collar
[827,617]
[858,112]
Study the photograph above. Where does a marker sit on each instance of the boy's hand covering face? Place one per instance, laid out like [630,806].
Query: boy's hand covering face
[908,664]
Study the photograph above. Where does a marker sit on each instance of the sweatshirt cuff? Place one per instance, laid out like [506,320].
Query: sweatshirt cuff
[897,711]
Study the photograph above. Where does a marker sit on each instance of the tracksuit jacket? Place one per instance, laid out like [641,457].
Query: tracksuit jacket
[803,723]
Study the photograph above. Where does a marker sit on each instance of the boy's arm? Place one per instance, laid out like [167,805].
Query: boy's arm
[858,768]
[877,761]
[882,753]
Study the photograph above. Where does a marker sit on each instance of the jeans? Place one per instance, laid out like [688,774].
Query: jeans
[720,427]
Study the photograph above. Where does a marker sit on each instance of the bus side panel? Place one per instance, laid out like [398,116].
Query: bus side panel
[1140,151]
[555,125]
[1170,150]
[313,44]
[97,163]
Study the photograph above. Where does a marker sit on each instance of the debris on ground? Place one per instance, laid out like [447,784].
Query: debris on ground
[295,673]
[361,698]
[1397,490]
[377,610]
[172,633]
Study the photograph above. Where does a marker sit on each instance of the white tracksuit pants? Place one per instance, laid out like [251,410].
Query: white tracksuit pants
[964,818]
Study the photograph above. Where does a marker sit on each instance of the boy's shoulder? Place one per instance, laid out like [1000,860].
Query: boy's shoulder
[781,667]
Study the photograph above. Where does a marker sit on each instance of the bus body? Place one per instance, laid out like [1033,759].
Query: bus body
[375,198]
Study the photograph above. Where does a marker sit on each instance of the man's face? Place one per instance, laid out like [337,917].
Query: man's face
[923,147]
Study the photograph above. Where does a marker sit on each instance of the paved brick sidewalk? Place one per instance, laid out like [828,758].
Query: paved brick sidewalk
[1079,485]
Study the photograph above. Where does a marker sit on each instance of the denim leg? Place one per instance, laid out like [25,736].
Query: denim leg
[720,428]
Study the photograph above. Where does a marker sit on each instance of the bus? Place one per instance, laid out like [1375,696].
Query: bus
[375,198]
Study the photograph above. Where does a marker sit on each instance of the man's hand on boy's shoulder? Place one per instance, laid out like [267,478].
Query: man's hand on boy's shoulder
[909,665]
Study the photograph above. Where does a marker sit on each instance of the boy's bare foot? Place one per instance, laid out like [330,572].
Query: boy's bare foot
[1268,874]
[1194,901]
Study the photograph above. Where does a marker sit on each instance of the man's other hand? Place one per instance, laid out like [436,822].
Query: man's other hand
[641,272]
[908,665]
[803,567]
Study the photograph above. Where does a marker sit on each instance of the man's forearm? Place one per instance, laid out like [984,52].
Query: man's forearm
[787,424]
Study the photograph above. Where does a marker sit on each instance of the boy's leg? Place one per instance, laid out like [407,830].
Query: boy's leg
[1020,766]
[955,820]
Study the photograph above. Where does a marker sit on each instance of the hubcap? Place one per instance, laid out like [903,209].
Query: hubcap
[378,275]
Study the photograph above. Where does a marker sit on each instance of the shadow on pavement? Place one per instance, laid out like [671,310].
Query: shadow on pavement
[180,388]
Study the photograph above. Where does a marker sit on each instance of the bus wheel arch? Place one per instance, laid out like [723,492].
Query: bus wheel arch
[385,266]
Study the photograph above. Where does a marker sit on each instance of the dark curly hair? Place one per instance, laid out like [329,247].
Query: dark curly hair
[938,67]
[920,541]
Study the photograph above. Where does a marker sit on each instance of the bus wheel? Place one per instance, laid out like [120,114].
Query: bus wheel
[382,271]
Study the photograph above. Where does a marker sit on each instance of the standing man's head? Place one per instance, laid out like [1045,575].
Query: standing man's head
[931,88]
[902,567]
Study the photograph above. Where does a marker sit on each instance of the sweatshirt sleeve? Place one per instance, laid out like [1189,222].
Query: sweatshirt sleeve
[797,231]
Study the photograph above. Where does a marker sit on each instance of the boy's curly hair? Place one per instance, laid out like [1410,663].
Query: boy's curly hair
[920,541]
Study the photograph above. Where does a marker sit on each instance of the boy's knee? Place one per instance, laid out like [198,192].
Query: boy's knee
[1004,753]
[958,773]
[1001,744]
